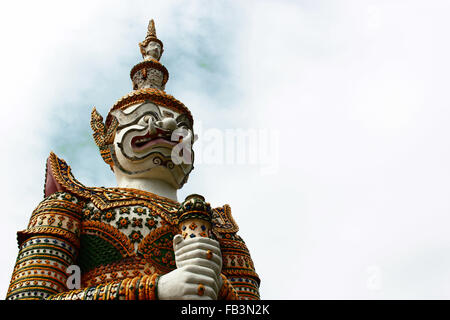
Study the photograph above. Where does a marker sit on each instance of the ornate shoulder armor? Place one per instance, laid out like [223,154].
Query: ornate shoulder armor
[47,247]
[59,214]
[237,264]
[61,178]
[223,220]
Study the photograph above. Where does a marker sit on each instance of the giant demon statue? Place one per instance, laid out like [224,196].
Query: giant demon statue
[135,241]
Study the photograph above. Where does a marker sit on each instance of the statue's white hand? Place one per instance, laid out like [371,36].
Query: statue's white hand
[183,284]
[199,251]
[199,263]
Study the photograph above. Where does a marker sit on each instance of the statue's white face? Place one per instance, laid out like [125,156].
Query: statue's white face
[152,50]
[146,140]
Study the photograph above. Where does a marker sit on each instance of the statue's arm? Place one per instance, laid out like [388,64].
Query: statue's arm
[50,245]
[238,272]
[46,248]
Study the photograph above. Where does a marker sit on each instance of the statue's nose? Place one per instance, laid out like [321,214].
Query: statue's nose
[167,124]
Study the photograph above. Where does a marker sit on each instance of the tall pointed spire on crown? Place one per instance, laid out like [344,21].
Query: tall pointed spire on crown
[151,31]
[151,53]
[149,78]
[150,73]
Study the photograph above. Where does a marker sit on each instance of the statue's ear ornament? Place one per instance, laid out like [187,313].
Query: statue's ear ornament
[103,135]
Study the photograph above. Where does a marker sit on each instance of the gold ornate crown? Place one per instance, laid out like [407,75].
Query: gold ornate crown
[151,36]
[149,78]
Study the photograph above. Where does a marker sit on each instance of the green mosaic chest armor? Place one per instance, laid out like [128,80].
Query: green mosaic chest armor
[126,240]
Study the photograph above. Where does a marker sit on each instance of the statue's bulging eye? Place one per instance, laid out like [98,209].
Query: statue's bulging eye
[168,114]
[183,125]
[145,120]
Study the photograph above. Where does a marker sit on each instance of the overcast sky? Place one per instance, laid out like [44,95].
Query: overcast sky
[348,194]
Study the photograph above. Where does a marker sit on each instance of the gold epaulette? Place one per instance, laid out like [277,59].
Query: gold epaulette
[223,220]
[58,215]
[237,261]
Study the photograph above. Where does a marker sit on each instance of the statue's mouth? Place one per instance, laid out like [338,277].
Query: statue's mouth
[159,137]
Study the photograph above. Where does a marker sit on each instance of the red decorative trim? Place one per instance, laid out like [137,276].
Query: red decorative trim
[51,185]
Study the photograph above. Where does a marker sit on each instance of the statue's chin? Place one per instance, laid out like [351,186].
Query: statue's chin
[158,173]
[156,165]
